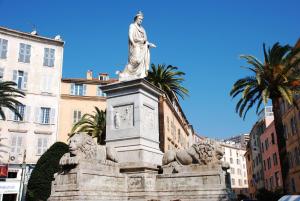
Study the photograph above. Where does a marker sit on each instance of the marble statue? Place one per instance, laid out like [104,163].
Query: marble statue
[202,153]
[139,54]
[83,147]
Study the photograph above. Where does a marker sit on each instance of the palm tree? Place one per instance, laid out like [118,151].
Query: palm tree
[168,79]
[276,79]
[8,95]
[92,124]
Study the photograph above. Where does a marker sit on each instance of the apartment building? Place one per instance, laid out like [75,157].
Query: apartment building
[271,160]
[80,96]
[35,63]
[242,139]
[175,132]
[234,155]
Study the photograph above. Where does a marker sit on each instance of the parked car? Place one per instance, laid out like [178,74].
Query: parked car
[290,198]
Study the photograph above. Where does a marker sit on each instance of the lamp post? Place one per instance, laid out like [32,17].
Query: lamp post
[23,166]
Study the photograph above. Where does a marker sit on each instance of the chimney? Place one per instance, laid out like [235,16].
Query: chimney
[89,75]
[103,76]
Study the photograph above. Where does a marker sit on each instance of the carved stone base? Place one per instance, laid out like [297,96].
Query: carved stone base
[138,182]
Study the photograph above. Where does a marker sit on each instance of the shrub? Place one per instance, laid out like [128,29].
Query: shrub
[39,184]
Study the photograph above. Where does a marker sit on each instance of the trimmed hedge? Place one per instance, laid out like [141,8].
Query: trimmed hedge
[39,184]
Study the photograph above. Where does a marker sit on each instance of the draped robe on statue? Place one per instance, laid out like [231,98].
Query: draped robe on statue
[139,54]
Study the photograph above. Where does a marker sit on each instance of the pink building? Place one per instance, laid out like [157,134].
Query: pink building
[270,157]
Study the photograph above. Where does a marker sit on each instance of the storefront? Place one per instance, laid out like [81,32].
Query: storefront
[9,190]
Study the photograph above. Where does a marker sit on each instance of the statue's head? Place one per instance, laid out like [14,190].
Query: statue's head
[139,18]
[82,144]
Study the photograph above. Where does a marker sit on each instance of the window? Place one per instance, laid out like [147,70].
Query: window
[76,116]
[24,53]
[262,147]
[264,164]
[3,48]
[267,144]
[237,161]
[78,89]
[1,74]
[245,181]
[21,110]
[16,144]
[231,160]
[46,83]
[277,179]
[49,57]
[271,182]
[275,162]
[45,115]
[100,92]
[232,181]
[273,138]
[240,182]
[20,78]
[232,170]
[12,175]
[42,145]
[269,163]
[230,152]
[239,171]
[293,185]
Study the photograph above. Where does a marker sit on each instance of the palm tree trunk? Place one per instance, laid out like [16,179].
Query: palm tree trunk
[281,142]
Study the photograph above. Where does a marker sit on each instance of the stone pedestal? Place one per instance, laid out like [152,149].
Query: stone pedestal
[132,121]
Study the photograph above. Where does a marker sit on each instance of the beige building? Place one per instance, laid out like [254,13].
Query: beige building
[234,155]
[35,64]
[78,97]
[174,129]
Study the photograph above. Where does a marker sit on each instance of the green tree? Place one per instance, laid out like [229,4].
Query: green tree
[92,124]
[8,95]
[168,79]
[275,79]
[39,184]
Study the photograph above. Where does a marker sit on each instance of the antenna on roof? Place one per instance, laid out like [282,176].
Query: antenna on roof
[33,28]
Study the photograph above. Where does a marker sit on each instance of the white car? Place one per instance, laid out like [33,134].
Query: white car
[290,198]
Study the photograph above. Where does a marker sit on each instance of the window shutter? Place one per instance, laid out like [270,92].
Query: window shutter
[27,54]
[19,144]
[1,74]
[84,90]
[39,146]
[21,52]
[15,75]
[13,144]
[25,80]
[27,113]
[74,116]
[72,88]
[52,57]
[49,82]
[4,48]
[37,115]
[45,144]
[46,50]
[52,116]
[42,84]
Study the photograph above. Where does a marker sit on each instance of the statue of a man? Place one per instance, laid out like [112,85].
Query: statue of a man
[139,54]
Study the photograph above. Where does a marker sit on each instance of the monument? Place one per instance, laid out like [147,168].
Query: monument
[131,165]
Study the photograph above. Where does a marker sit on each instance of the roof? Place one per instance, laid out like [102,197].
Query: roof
[29,36]
[88,81]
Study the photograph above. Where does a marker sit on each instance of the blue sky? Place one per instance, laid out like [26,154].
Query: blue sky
[203,38]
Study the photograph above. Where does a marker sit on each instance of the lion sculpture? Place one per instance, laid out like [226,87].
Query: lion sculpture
[83,147]
[202,153]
